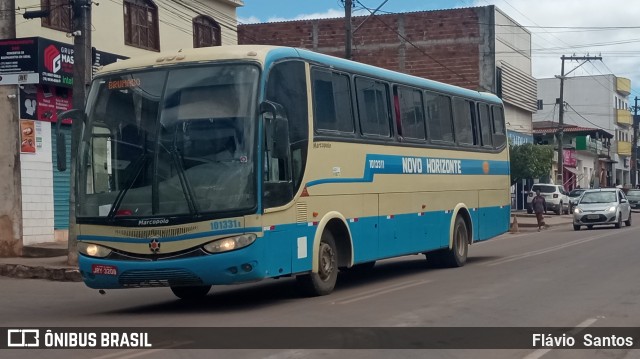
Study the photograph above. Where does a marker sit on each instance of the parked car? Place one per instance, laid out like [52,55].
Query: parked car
[600,207]
[574,196]
[555,196]
[633,195]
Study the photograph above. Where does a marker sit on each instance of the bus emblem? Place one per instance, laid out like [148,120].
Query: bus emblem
[154,245]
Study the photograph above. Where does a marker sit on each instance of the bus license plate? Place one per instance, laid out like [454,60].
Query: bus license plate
[104,269]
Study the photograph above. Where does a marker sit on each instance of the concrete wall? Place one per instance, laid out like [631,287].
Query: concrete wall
[37,189]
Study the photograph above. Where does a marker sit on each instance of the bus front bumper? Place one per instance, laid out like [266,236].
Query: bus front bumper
[222,268]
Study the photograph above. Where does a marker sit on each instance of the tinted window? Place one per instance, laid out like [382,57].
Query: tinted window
[373,107]
[463,121]
[332,101]
[438,114]
[484,115]
[410,112]
[499,134]
[544,188]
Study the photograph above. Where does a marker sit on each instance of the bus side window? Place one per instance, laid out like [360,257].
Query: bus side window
[464,122]
[410,110]
[484,117]
[373,108]
[439,119]
[499,134]
[332,102]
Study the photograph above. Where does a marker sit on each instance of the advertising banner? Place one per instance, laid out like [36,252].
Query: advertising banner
[27,136]
[19,61]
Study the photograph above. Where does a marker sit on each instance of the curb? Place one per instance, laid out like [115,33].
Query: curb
[28,272]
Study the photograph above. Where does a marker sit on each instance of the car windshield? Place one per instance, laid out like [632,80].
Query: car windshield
[598,197]
[544,189]
[576,192]
[634,194]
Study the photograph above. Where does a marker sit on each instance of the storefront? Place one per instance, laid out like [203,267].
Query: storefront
[43,70]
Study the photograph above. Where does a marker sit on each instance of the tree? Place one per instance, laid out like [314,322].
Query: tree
[530,161]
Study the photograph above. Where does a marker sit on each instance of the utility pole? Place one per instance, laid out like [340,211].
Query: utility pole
[348,4]
[559,134]
[81,81]
[634,146]
[10,176]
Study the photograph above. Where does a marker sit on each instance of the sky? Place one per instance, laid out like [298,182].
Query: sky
[610,28]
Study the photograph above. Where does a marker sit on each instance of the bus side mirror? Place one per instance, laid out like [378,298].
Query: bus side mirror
[277,129]
[61,141]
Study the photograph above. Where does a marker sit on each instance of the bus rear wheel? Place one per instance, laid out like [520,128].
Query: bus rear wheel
[457,255]
[323,282]
[191,292]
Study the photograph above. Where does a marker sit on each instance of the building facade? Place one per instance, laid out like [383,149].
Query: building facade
[586,153]
[597,102]
[40,61]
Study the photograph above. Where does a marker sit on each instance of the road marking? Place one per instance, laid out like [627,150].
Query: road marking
[134,353]
[547,250]
[578,328]
[379,291]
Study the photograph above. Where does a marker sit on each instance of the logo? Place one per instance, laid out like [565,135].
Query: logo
[153,221]
[23,338]
[52,59]
[154,245]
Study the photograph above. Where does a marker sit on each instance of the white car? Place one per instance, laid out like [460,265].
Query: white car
[555,196]
[601,207]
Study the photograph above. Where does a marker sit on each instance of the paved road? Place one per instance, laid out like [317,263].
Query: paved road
[557,277]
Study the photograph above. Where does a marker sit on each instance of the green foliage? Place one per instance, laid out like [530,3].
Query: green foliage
[530,161]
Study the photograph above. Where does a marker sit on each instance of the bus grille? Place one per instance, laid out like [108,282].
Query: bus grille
[155,232]
[158,278]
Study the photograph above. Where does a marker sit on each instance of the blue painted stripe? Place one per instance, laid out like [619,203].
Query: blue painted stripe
[409,165]
[170,239]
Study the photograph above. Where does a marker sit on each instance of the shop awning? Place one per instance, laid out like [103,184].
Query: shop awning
[572,170]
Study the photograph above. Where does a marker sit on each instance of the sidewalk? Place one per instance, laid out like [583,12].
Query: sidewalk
[41,261]
[49,260]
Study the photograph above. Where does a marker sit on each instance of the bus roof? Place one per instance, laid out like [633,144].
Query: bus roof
[266,54]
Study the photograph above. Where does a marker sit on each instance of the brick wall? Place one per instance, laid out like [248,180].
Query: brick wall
[37,189]
[441,45]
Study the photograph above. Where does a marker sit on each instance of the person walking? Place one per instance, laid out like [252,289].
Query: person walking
[539,206]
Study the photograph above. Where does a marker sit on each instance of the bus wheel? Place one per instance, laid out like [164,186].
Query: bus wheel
[457,255]
[323,282]
[191,292]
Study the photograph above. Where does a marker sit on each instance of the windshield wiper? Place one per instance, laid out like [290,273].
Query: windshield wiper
[133,176]
[187,189]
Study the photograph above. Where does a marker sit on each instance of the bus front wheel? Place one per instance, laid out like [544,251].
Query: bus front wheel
[191,292]
[457,255]
[323,282]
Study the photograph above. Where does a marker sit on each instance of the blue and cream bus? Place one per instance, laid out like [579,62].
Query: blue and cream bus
[234,164]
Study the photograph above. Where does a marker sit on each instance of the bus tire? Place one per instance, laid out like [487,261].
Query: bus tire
[323,282]
[191,292]
[457,255]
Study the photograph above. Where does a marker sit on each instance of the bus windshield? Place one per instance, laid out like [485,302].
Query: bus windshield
[170,142]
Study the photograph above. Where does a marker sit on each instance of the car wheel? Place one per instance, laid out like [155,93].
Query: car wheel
[559,210]
[628,221]
[529,211]
[576,227]
[619,221]
[590,226]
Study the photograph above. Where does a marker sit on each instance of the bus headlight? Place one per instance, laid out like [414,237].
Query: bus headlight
[230,243]
[93,250]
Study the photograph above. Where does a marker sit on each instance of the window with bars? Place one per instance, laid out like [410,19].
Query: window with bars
[59,15]
[141,24]
[206,32]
